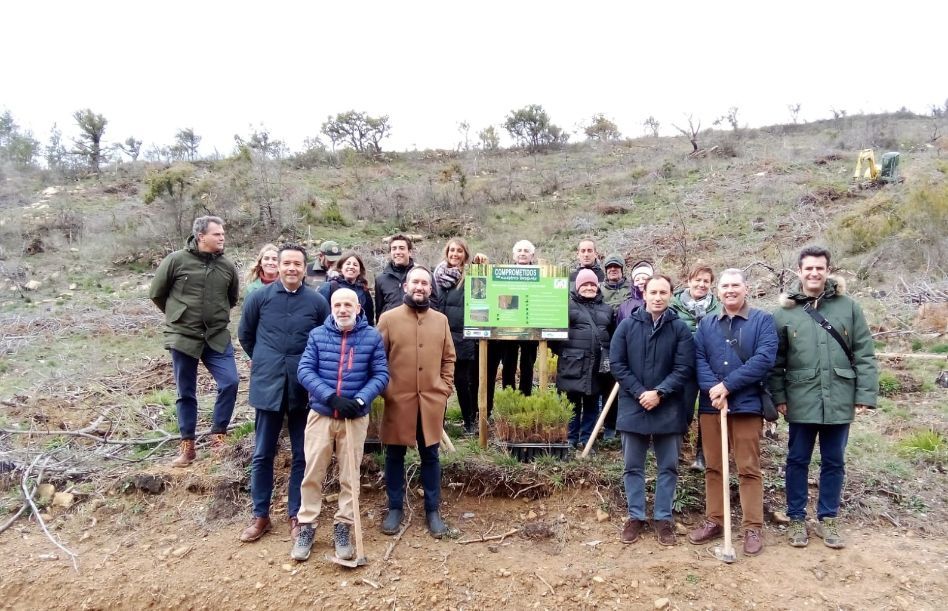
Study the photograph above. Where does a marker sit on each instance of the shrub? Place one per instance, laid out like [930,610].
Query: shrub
[929,445]
[889,384]
[865,228]
[540,418]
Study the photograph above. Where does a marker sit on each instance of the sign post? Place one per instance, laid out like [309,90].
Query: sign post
[514,302]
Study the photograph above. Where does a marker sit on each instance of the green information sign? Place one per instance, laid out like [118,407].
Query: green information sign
[516,302]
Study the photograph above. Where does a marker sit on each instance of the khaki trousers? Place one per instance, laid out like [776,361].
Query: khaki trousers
[322,435]
[743,434]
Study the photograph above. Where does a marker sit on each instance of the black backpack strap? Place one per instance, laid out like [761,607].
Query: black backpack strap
[828,327]
[733,343]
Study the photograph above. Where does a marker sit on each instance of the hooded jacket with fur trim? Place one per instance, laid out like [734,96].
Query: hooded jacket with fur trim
[812,373]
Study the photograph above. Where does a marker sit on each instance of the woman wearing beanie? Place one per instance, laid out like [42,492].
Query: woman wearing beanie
[582,370]
[449,278]
[641,272]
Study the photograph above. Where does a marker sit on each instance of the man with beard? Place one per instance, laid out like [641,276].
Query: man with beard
[421,360]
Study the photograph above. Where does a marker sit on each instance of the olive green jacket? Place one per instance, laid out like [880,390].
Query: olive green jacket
[812,374]
[196,291]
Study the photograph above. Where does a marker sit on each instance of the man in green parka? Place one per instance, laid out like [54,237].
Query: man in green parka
[818,383]
[196,288]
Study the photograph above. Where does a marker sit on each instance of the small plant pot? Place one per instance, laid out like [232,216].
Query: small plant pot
[527,452]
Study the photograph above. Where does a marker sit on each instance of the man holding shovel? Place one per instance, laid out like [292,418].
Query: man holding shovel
[344,368]
[735,350]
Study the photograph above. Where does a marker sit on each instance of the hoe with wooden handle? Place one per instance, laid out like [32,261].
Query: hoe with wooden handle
[725,553]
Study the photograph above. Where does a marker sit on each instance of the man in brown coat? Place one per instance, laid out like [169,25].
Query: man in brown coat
[421,366]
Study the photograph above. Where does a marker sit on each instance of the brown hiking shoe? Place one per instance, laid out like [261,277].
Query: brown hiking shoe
[665,531]
[753,544]
[704,533]
[632,530]
[218,443]
[257,528]
[294,528]
[186,454]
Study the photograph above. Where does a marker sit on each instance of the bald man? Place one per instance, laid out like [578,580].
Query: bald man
[343,368]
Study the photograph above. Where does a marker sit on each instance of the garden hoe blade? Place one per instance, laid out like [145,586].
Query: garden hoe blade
[355,562]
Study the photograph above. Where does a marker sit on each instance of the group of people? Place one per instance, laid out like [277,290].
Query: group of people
[322,347]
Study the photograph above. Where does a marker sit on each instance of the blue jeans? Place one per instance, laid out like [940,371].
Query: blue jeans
[634,449]
[430,473]
[833,439]
[585,413]
[268,425]
[223,368]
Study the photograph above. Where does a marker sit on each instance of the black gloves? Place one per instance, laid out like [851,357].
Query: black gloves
[345,408]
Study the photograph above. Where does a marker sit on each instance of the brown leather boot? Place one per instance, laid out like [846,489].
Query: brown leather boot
[186,454]
[218,444]
[257,528]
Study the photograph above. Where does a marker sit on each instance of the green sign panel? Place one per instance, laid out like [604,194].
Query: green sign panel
[516,301]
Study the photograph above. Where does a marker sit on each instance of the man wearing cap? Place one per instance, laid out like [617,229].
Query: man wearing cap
[587,258]
[615,289]
[319,270]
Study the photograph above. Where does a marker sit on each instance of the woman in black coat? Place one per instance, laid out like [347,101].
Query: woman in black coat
[449,279]
[583,359]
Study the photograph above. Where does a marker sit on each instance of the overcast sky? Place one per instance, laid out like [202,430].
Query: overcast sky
[220,67]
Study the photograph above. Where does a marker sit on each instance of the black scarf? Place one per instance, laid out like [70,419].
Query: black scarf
[418,307]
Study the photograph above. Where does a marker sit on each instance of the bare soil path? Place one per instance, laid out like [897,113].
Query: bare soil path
[159,551]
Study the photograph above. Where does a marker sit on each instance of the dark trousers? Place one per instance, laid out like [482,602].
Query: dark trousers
[466,383]
[585,412]
[528,358]
[223,368]
[508,352]
[833,440]
[634,450]
[430,473]
[268,425]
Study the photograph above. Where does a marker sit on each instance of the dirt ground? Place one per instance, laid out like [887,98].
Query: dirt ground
[139,550]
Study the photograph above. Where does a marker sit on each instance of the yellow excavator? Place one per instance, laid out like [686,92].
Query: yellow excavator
[876,175]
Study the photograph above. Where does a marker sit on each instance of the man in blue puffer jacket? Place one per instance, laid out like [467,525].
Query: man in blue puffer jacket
[344,368]
[735,350]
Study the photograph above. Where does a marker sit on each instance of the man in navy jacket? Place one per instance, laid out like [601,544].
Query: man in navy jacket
[735,350]
[273,329]
[652,358]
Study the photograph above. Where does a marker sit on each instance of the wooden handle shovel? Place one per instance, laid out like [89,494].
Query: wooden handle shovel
[601,420]
[725,553]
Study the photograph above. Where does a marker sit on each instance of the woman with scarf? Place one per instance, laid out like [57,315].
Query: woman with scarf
[264,269]
[449,280]
[692,303]
[351,276]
